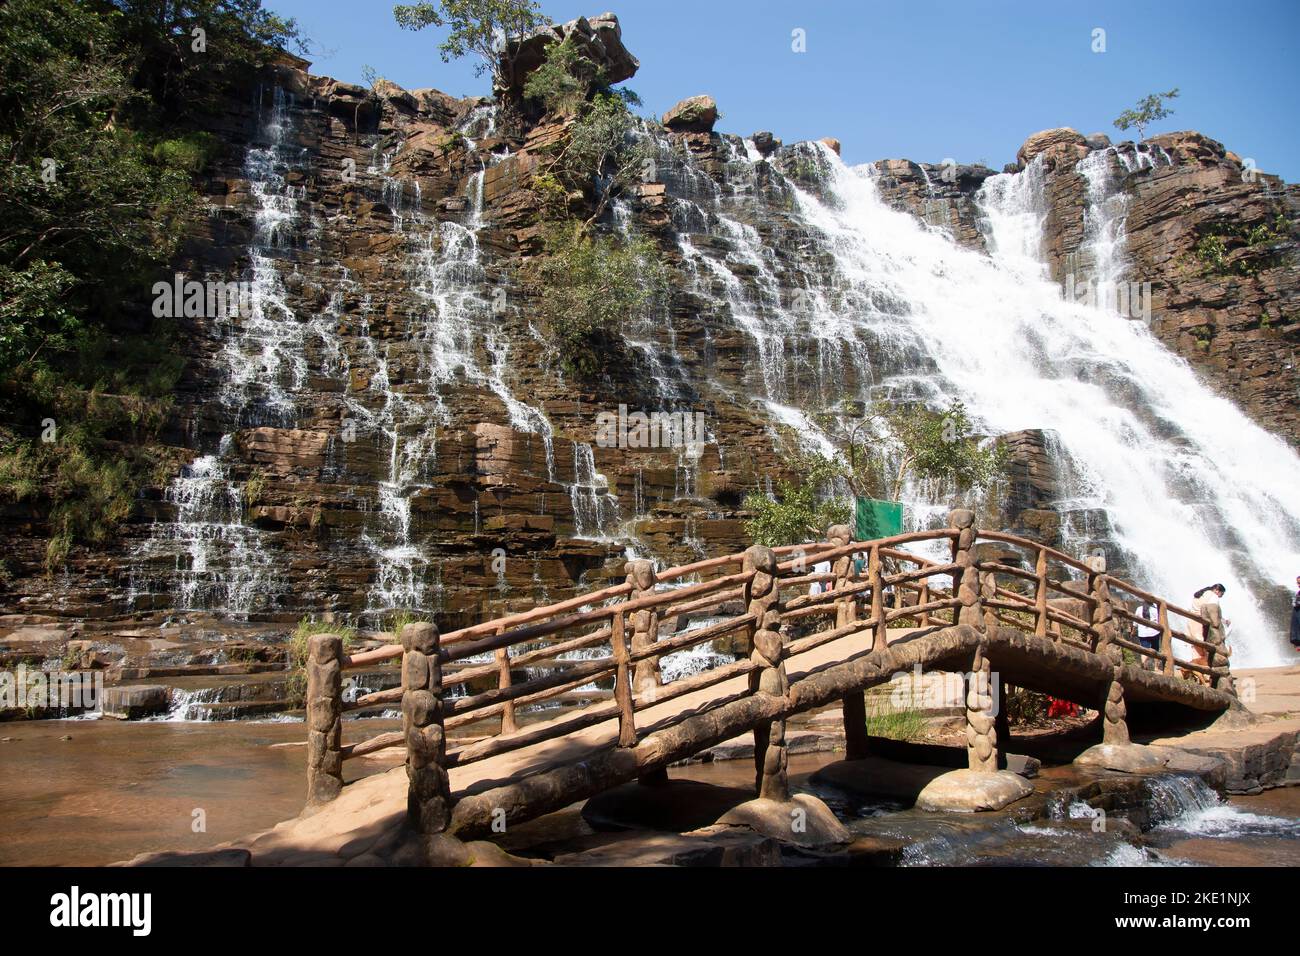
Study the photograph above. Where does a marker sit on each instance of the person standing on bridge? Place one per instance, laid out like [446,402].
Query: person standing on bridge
[1148,635]
[1295,615]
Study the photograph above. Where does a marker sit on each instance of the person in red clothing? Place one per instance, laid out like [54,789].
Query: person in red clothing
[1062,708]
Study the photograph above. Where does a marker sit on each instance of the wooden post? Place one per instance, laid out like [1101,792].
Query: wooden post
[324,717]
[1166,639]
[1221,679]
[1040,594]
[981,729]
[622,682]
[762,599]
[1002,722]
[875,575]
[1114,712]
[508,724]
[645,625]
[988,594]
[923,599]
[1102,615]
[853,706]
[428,800]
[846,608]
[966,584]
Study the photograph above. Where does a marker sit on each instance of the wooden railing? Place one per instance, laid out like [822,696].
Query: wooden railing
[762,599]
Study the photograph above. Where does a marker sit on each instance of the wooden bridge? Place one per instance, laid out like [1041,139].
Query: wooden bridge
[982,602]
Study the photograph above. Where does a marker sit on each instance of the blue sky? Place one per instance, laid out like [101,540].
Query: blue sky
[925,80]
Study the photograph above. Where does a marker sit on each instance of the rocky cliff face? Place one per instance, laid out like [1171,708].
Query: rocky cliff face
[388,427]
[1213,237]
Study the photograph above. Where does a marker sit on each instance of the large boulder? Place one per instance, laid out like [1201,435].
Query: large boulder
[765,143]
[134,701]
[599,39]
[695,114]
[970,791]
[1062,143]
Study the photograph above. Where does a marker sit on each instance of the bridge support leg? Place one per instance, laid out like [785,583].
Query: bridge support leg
[1114,714]
[428,801]
[1222,677]
[324,717]
[762,600]
[981,733]
[1002,723]
[966,579]
[645,625]
[856,742]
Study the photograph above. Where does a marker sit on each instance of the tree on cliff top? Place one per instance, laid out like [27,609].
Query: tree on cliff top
[1150,109]
[480,27]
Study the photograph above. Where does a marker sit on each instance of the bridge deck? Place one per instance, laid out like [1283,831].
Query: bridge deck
[369,808]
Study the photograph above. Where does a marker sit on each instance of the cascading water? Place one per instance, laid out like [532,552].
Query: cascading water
[1195,492]
[219,562]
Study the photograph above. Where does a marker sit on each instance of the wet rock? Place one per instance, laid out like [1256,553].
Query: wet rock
[222,858]
[802,820]
[134,701]
[765,143]
[695,114]
[1062,144]
[708,846]
[1097,140]
[1128,758]
[970,791]
[831,143]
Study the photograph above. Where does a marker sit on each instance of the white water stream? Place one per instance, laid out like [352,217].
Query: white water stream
[1195,491]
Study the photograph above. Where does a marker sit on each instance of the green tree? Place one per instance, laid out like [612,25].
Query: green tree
[591,285]
[1150,109]
[877,450]
[96,189]
[478,27]
[795,513]
[184,54]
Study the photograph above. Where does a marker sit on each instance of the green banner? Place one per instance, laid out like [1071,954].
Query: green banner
[876,519]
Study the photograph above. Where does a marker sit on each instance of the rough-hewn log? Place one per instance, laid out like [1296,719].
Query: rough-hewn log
[428,801]
[966,581]
[508,724]
[1103,623]
[1222,677]
[854,705]
[324,717]
[1040,594]
[1166,639]
[623,684]
[645,624]
[981,731]
[1114,727]
[376,743]
[763,602]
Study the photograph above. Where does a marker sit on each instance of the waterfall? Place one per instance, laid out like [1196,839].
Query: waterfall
[1194,490]
[219,563]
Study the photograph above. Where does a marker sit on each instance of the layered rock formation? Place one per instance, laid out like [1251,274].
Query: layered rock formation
[1213,236]
[397,431]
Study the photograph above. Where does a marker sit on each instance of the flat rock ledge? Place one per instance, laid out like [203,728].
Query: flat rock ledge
[1127,758]
[970,791]
[802,820]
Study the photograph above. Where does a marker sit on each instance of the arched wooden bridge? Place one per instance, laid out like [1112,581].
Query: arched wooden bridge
[983,602]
